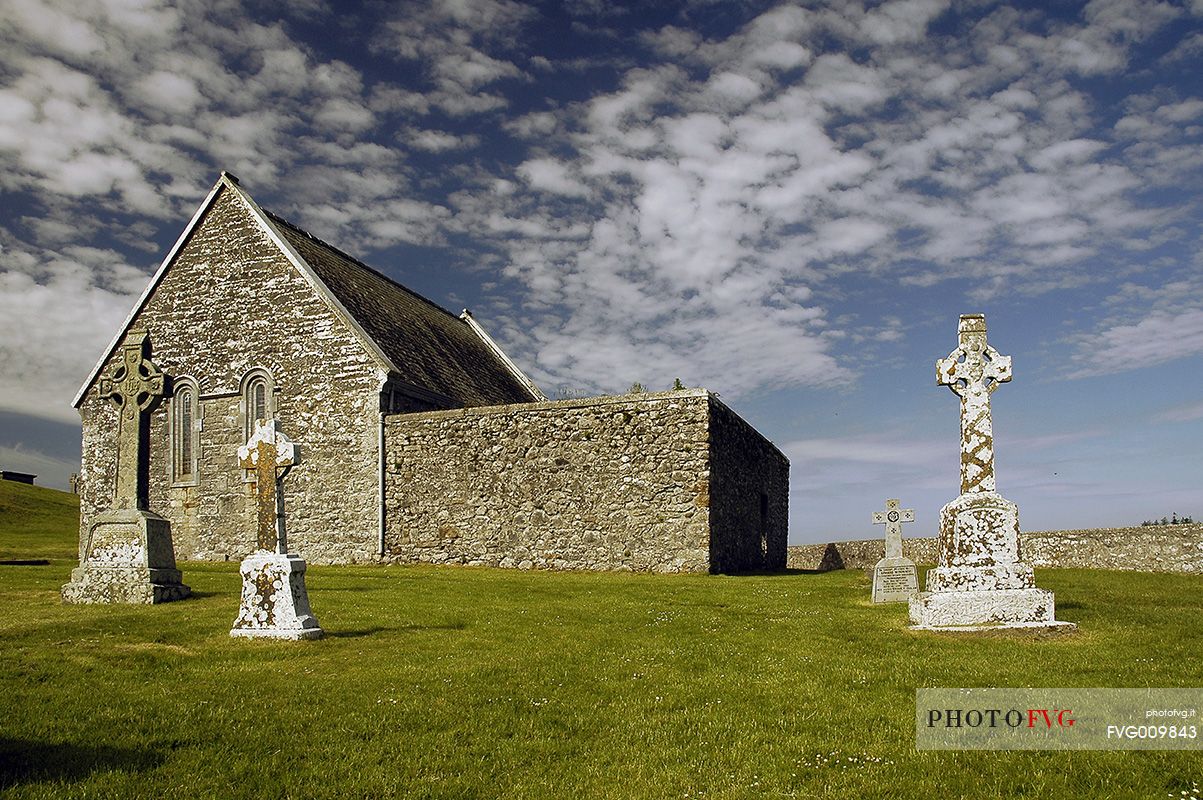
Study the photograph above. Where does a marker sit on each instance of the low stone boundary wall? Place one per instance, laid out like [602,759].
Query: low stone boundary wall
[856,554]
[1150,548]
[1146,548]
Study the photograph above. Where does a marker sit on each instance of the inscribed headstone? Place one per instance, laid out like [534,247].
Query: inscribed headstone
[895,578]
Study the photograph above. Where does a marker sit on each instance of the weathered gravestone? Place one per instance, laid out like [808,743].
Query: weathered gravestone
[979,581]
[895,578]
[127,555]
[274,604]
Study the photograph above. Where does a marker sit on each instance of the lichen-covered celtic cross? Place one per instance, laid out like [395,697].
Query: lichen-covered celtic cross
[973,371]
[267,452]
[135,386]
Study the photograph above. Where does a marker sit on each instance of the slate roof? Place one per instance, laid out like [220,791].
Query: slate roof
[434,348]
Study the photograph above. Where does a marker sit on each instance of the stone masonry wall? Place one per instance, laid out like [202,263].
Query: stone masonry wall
[232,302]
[1148,548]
[749,496]
[857,554]
[618,483]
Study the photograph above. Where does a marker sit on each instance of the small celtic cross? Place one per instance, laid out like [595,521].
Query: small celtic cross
[892,518]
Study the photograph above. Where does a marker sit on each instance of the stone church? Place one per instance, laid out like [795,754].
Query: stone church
[417,438]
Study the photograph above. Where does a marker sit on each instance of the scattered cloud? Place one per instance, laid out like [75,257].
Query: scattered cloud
[706,202]
[1181,413]
[1157,339]
[59,309]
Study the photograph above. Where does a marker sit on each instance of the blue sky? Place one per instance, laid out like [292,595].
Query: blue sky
[789,204]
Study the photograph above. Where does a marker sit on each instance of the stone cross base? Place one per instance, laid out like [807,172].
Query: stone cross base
[979,546]
[981,582]
[895,580]
[979,530]
[128,558]
[275,604]
[974,611]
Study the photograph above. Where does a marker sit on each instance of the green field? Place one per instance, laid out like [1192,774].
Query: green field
[465,683]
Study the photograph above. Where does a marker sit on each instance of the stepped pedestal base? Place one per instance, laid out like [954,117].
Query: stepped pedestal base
[128,558]
[275,604]
[984,610]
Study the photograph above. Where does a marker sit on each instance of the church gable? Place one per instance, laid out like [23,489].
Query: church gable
[232,319]
[433,356]
[230,297]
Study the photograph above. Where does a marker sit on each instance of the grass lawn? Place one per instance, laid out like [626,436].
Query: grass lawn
[460,683]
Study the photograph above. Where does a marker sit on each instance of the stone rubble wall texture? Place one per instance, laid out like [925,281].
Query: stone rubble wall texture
[619,483]
[231,303]
[1148,548]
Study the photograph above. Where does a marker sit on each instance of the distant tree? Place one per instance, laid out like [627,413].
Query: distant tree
[678,386]
[636,388]
[1171,520]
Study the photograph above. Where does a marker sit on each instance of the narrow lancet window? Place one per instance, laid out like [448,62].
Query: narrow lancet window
[257,401]
[183,433]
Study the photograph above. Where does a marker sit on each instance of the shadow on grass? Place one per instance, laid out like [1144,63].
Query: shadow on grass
[801,571]
[355,634]
[23,761]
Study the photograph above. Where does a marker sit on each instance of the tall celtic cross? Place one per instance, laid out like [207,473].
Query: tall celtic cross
[973,371]
[135,386]
[267,452]
[892,518]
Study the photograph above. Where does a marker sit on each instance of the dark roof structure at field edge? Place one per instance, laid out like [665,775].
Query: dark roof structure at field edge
[427,350]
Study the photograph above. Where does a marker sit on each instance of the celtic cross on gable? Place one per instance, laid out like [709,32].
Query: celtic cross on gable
[973,371]
[135,386]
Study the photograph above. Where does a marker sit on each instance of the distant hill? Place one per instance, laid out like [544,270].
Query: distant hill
[37,523]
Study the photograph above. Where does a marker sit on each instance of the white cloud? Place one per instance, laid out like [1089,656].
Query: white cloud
[1181,413]
[452,40]
[176,94]
[434,141]
[549,175]
[1157,339]
[59,310]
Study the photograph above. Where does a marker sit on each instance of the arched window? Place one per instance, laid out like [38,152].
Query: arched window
[185,427]
[258,402]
